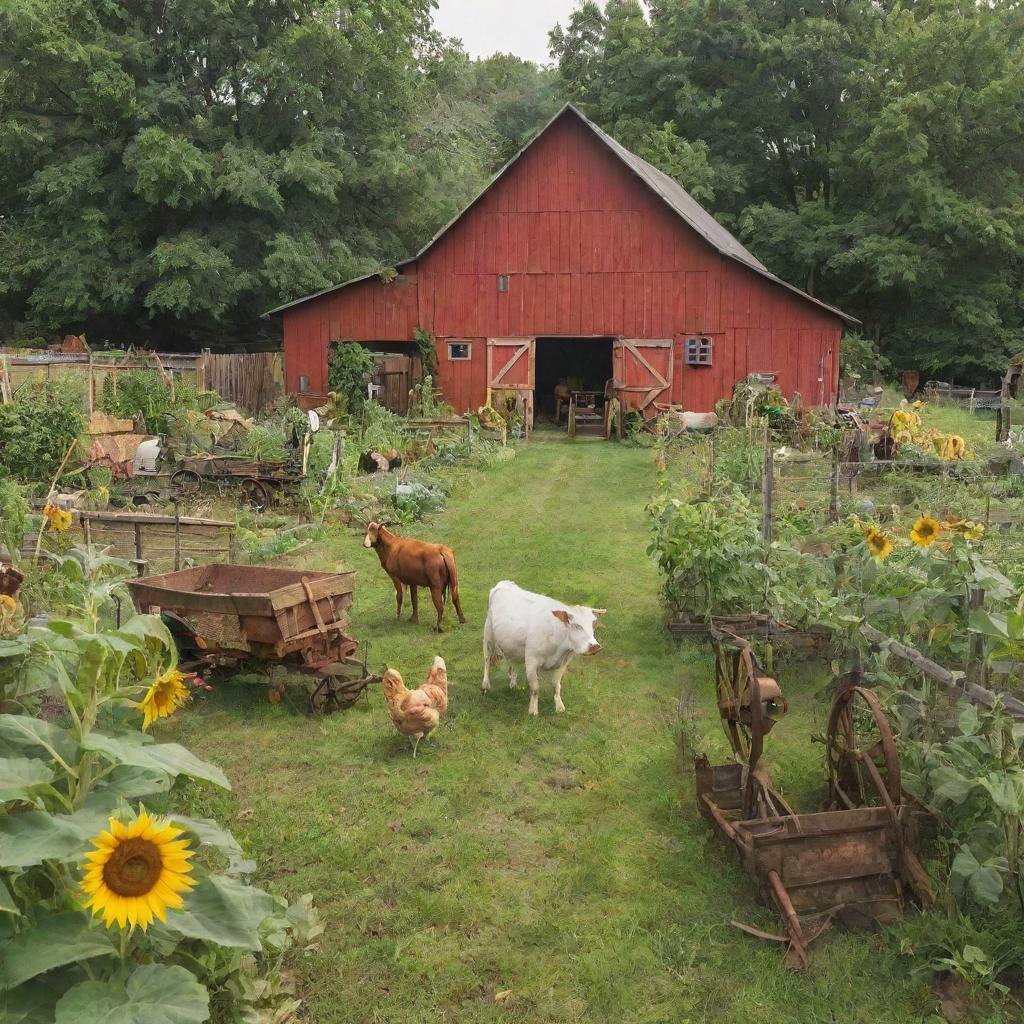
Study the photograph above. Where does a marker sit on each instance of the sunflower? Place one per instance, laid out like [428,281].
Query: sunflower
[163,698]
[925,532]
[878,544]
[967,528]
[58,518]
[137,871]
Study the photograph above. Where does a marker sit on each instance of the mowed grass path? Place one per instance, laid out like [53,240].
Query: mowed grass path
[559,857]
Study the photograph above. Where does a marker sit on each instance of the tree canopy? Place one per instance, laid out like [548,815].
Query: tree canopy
[169,171]
[870,152]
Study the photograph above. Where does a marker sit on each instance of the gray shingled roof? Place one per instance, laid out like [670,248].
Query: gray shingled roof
[669,190]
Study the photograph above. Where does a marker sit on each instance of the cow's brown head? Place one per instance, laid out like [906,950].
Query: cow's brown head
[372,538]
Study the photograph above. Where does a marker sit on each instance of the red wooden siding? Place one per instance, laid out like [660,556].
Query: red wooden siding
[588,250]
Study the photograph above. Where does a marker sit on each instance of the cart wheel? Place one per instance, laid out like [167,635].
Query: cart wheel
[863,763]
[187,481]
[335,693]
[256,494]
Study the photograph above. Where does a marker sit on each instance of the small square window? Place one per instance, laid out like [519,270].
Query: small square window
[458,350]
[503,282]
[698,351]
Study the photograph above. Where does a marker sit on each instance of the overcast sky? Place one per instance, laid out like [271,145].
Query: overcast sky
[503,26]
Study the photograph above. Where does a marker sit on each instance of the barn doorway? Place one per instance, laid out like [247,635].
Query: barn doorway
[582,364]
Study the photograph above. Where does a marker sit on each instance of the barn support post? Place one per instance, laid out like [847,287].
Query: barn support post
[767,486]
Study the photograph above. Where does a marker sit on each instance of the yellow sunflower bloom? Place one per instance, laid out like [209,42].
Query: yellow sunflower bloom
[137,871]
[59,519]
[163,698]
[878,544]
[925,532]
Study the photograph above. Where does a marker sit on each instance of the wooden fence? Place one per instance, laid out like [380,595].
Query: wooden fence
[250,380]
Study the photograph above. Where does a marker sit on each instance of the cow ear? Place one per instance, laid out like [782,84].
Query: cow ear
[599,611]
[562,615]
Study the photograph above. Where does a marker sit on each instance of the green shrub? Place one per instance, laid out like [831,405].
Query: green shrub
[13,517]
[710,553]
[146,391]
[349,369]
[37,428]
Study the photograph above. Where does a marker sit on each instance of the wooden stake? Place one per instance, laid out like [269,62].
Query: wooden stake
[767,484]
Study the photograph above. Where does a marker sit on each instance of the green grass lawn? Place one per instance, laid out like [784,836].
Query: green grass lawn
[559,857]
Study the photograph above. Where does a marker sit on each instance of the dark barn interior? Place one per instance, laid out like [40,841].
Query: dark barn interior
[585,364]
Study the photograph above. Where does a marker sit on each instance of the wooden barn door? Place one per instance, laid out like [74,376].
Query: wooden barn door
[642,369]
[511,370]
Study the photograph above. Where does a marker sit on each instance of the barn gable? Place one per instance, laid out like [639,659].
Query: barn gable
[577,237]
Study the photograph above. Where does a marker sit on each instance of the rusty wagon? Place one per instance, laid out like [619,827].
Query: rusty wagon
[852,861]
[257,479]
[228,614]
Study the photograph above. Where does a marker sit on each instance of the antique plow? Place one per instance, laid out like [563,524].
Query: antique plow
[852,861]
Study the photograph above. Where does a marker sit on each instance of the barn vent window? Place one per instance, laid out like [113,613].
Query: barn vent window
[698,351]
[458,350]
[503,282]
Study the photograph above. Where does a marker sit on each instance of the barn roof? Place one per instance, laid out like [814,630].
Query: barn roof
[666,188]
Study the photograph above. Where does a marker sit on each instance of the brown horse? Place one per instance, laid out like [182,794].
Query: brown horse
[415,563]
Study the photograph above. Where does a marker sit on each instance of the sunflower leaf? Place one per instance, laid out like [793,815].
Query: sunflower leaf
[167,757]
[53,941]
[30,838]
[22,731]
[155,993]
[21,777]
[225,911]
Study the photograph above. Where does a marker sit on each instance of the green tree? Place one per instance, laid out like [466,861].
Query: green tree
[870,153]
[169,171]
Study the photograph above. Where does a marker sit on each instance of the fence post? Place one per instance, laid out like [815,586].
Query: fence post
[975,667]
[833,489]
[177,534]
[767,484]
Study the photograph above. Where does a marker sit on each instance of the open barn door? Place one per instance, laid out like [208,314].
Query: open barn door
[511,371]
[642,373]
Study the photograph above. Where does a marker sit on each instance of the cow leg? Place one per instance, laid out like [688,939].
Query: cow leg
[458,604]
[533,676]
[398,595]
[435,594]
[486,684]
[559,672]
[414,594]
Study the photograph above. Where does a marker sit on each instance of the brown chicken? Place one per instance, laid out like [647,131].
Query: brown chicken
[417,712]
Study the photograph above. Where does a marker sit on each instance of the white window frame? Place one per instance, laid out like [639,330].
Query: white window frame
[460,359]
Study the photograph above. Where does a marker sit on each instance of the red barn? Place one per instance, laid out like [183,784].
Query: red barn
[579,262]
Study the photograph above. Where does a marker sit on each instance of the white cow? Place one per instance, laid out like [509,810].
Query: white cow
[538,632]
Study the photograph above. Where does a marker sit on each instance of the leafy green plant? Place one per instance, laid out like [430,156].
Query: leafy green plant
[13,517]
[709,551]
[148,392]
[427,345]
[349,370]
[38,427]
